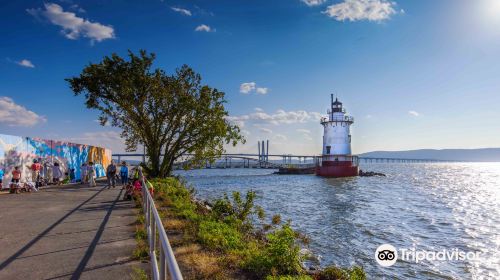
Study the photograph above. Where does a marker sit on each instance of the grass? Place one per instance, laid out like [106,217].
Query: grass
[223,242]
[139,274]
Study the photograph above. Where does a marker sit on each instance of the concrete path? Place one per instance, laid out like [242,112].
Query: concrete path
[70,232]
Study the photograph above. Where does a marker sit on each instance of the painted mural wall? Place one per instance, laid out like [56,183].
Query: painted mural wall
[21,151]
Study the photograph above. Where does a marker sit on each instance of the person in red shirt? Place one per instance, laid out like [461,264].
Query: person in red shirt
[35,171]
[16,175]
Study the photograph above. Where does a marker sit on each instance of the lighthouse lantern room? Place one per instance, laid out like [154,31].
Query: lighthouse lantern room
[336,159]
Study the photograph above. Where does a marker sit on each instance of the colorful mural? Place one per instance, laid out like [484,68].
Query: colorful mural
[21,151]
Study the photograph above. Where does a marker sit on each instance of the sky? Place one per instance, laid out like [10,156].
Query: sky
[413,74]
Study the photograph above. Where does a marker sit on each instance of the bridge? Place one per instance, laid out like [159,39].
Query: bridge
[272,161]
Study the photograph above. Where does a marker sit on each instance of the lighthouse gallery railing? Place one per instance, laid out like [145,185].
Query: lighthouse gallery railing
[164,264]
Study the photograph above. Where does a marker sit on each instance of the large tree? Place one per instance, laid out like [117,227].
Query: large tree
[171,115]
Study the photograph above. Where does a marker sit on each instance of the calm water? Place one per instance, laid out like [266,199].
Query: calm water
[427,206]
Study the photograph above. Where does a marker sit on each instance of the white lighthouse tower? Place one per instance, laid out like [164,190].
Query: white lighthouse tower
[336,159]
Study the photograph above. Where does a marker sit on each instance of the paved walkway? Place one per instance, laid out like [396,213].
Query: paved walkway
[70,232]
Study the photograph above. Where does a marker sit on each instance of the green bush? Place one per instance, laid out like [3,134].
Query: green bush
[289,277]
[280,255]
[336,273]
[219,235]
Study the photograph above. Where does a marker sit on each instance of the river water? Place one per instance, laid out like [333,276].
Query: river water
[423,206]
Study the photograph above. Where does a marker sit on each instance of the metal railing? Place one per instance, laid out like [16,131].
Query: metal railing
[163,264]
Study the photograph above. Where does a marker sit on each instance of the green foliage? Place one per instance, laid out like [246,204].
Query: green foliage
[289,277]
[238,211]
[219,236]
[337,273]
[140,233]
[276,219]
[170,115]
[139,274]
[280,256]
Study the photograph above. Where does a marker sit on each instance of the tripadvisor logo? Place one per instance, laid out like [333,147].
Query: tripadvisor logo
[387,255]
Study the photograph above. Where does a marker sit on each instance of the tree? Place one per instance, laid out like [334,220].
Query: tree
[171,115]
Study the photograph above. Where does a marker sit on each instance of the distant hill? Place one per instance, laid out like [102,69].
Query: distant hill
[478,155]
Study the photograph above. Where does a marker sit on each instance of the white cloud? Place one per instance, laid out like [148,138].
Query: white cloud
[414,113]
[26,63]
[258,109]
[354,10]
[311,3]
[182,11]
[245,132]
[280,117]
[13,114]
[305,131]
[247,87]
[262,90]
[204,28]
[265,130]
[280,137]
[368,116]
[73,26]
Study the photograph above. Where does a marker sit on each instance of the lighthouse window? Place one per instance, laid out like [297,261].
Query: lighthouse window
[328,148]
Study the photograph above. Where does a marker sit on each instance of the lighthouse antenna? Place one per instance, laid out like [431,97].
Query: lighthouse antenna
[332,101]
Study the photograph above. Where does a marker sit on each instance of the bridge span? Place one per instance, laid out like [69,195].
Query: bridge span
[274,161]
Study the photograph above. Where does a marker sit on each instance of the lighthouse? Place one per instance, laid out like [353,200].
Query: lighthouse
[337,159]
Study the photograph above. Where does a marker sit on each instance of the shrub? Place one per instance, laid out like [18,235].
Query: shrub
[336,273]
[289,277]
[219,235]
[280,255]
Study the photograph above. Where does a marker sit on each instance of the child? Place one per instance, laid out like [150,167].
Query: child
[16,175]
[129,192]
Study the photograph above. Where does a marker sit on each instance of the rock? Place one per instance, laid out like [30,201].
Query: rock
[370,174]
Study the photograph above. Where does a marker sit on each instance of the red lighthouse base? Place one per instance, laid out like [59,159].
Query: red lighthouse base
[337,169]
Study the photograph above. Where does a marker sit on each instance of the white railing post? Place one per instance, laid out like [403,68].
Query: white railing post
[167,264]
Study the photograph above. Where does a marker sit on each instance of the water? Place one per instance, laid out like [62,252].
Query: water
[427,206]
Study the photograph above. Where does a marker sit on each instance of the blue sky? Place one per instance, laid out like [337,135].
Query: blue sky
[414,74]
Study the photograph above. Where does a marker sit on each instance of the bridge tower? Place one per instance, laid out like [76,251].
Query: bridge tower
[337,159]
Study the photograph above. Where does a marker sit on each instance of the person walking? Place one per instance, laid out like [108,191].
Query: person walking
[124,174]
[111,174]
[91,174]
[83,172]
[35,172]
[57,173]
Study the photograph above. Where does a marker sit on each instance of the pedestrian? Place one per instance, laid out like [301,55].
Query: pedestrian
[1,178]
[16,175]
[84,171]
[124,174]
[91,174]
[72,175]
[35,172]
[57,173]
[111,174]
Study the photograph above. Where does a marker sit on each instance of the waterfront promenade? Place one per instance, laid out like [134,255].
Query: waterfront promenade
[69,232]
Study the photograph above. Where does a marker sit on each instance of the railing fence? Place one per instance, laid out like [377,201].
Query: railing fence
[163,264]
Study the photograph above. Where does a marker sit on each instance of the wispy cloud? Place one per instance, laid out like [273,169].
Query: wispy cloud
[250,87]
[280,117]
[414,113]
[25,63]
[265,130]
[13,114]
[204,28]
[262,90]
[311,3]
[280,137]
[355,10]
[182,11]
[73,26]
[306,133]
